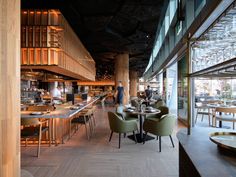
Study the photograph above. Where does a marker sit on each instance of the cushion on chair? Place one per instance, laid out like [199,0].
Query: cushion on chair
[32,131]
[80,120]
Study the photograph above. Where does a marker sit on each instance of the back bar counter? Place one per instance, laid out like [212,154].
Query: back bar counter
[60,119]
[198,156]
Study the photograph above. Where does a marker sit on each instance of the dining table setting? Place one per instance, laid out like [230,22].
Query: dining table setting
[142,111]
[214,106]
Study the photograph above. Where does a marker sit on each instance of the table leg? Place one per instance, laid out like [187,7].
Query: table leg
[141,126]
[220,122]
[140,136]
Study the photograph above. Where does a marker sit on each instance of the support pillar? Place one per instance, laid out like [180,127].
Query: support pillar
[10,88]
[122,73]
[133,77]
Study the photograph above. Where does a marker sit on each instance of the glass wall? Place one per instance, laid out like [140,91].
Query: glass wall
[171,99]
[215,89]
[178,18]
[160,80]
[182,89]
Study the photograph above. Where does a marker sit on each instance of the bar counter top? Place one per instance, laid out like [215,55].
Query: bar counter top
[199,156]
[62,111]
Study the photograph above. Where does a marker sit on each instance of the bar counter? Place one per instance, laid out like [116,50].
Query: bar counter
[60,119]
[199,156]
[64,112]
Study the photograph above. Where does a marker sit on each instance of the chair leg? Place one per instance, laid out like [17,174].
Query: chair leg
[124,135]
[157,137]
[119,139]
[86,131]
[196,117]
[39,141]
[26,142]
[135,138]
[144,138]
[209,119]
[110,136]
[90,125]
[171,141]
[94,121]
[49,135]
[159,143]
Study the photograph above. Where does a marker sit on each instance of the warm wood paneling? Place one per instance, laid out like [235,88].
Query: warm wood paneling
[57,69]
[9,88]
[96,83]
[133,77]
[53,42]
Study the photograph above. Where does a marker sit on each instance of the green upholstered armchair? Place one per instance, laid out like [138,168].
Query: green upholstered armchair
[164,110]
[160,127]
[118,125]
[125,115]
[134,103]
[158,104]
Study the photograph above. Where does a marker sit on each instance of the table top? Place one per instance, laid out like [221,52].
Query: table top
[205,155]
[156,111]
[220,106]
[64,112]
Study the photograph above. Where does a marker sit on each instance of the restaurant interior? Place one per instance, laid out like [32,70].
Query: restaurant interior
[125,88]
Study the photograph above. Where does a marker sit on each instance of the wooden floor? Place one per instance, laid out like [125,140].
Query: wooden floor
[79,157]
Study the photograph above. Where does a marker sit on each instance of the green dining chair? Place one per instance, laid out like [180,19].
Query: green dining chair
[160,127]
[125,115]
[158,104]
[118,125]
[134,103]
[164,110]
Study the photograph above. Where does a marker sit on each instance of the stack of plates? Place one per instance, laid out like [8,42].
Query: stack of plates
[36,113]
[129,110]
[74,107]
[132,108]
[150,109]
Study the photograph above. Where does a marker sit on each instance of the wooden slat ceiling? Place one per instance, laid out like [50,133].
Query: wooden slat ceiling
[108,27]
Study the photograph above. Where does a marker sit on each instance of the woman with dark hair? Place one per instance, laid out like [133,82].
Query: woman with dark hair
[120,92]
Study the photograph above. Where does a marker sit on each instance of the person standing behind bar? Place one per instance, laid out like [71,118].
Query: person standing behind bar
[120,92]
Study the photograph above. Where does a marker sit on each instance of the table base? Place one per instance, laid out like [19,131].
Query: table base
[139,139]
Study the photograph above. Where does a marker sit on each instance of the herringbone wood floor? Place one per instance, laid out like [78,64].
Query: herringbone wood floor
[79,157]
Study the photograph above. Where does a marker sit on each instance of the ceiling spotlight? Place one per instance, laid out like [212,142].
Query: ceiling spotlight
[147,36]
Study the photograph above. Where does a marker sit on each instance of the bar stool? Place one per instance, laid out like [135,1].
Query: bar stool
[92,109]
[83,118]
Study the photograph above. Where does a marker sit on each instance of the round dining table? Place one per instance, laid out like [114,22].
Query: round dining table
[142,115]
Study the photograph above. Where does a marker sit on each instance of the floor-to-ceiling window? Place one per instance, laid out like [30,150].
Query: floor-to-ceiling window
[171,90]
[182,89]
